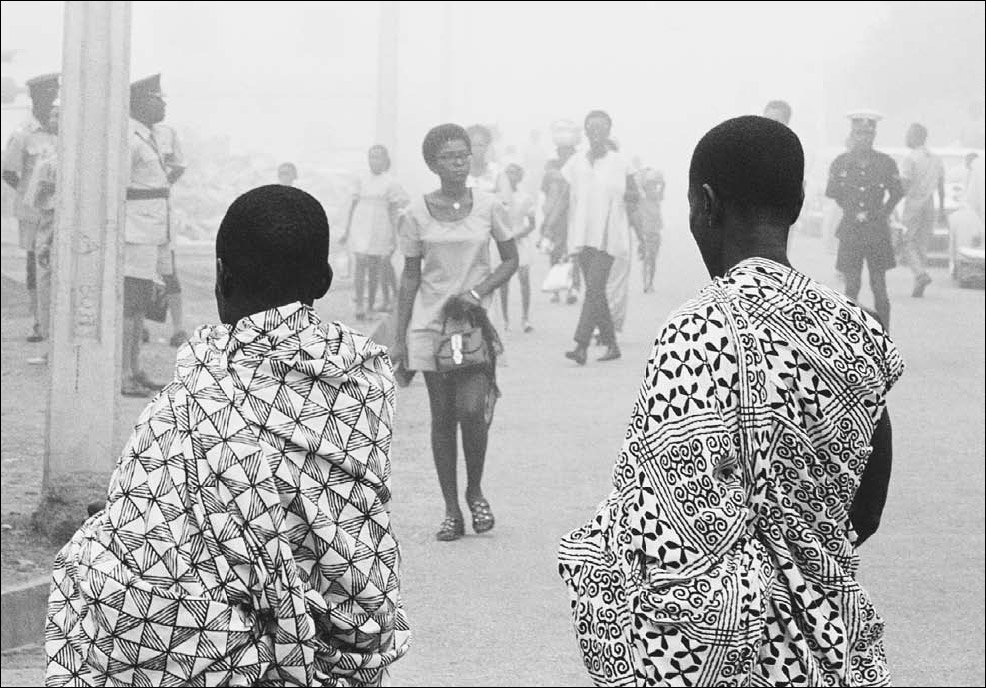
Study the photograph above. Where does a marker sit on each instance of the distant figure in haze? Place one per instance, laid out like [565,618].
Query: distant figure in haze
[371,232]
[485,174]
[778,110]
[147,232]
[174,162]
[287,174]
[31,141]
[242,542]
[651,222]
[922,173]
[41,195]
[602,193]
[866,185]
[445,239]
[520,208]
[554,226]
[755,463]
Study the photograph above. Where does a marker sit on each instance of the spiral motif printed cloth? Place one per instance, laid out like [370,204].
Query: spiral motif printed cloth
[723,555]
[246,538]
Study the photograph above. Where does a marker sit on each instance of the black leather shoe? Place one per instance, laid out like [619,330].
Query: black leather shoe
[612,353]
[578,354]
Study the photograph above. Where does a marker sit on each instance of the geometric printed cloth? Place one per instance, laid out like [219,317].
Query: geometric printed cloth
[724,554]
[246,538]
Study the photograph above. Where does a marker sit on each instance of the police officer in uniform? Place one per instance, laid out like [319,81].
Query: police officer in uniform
[146,234]
[28,144]
[866,185]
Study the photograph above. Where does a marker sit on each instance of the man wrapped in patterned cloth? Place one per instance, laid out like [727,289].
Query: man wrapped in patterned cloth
[755,463]
[246,538]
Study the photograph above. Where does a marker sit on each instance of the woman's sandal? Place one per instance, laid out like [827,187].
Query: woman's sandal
[451,529]
[482,515]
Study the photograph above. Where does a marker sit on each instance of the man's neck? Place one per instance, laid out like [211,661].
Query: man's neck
[770,243]
[597,151]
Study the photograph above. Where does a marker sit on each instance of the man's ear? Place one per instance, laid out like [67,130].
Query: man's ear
[711,206]
[796,210]
[322,283]
[224,280]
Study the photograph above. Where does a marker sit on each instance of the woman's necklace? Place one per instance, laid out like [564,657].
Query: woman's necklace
[456,205]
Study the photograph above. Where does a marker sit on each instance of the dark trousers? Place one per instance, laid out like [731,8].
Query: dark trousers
[595,265]
[878,284]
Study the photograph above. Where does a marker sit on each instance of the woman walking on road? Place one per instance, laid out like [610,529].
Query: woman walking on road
[445,237]
[755,463]
[371,231]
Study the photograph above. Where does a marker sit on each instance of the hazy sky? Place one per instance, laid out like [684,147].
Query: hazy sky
[298,80]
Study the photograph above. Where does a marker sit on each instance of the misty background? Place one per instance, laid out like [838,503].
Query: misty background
[262,83]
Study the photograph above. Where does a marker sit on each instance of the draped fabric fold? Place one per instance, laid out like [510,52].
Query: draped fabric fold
[723,554]
[246,538]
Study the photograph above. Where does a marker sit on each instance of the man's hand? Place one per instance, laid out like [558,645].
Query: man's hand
[398,352]
[468,300]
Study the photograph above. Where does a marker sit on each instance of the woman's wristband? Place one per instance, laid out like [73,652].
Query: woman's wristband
[475,294]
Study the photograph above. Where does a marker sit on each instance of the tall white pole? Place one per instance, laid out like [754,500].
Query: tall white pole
[387,83]
[93,162]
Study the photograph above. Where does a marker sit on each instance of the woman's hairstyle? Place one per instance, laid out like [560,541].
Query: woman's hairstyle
[382,149]
[438,137]
[482,130]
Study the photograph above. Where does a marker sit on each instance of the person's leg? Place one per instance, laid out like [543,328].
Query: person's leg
[881,300]
[373,277]
[31,283]
[649,260]
[524,278]
[359,285]
[444,443]
[854,281]
[42,259]
[131,339]
[915,248]
[172,287]
[474,413]
[849,264]
[388,283]
[618,293]
[600,269]
[587,317]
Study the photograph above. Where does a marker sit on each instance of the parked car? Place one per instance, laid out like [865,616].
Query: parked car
[966,255]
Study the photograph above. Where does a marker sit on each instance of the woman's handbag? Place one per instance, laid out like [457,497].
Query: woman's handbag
[559,277]
[157,304]
[461,345]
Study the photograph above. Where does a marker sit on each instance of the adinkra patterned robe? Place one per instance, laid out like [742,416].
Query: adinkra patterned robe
[246,538]
[724,555]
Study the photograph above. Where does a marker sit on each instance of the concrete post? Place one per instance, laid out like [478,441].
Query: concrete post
[93,160]
[387,84]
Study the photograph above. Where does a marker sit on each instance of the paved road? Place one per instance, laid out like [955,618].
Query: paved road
[490,610]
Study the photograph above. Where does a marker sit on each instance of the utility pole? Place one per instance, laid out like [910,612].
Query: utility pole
[387,82]
[93,167]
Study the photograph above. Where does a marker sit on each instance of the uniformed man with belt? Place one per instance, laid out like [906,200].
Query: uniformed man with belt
[171,153]
[31,142]
[146,233]
[866,185]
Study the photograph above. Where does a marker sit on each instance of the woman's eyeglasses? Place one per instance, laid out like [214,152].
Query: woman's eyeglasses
[454,157]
